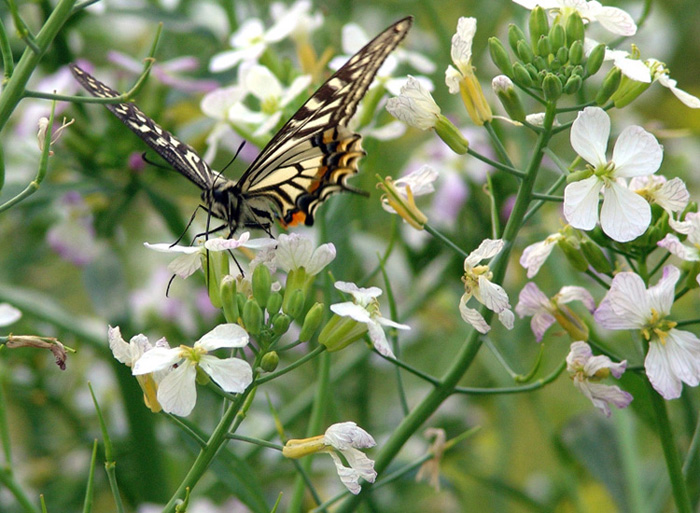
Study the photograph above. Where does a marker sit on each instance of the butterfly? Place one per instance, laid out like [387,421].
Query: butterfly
[309,158]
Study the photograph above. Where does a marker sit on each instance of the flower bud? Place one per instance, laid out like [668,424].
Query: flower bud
[499,56]
[228,299]
[340,332]
[574,28]
[525,53]
[504,89]
[595,59]
[262,281]
[269,361]
[551,87]
[576,53]
[295,305]
[521,75]
[451,135]
[515,35]
[252,317]
[610,84]
[312,321]
[538,25]
[557,37]
[573,84]
[543,47]
[274,303]
[540,63]
[595,256]
[280,324]
[628,91]
[563,54]
[215,265]
[573,255]
[571,322]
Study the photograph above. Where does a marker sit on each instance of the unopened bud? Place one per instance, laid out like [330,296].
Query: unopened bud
[312,321]
[274,303]
[538,25]
[551,87]
[573,84]
[543,47]
[295,304]
[628,91]
[228,299]
[574,28]
[280,324]
[610,84]
[499,56]
[505,90]
[252,317]
[525,53]
[573,255]
[521,75]
[262,281]
[269,361]
[595,59]
[557,37]
[451,135]
[563,54]
[515,35]
[576,53]
[596,257]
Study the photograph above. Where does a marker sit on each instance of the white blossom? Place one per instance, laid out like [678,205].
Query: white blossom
[414,106]
[535,255]
[8,314]
[691,227]
[295,251]
[671,195]
[419,182]
[461,53]
[612,19]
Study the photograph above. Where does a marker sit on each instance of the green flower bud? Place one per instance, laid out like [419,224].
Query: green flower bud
[295,305]
[563,54]
[451,135]
[252,317]
[240,301]
[555,66]
[521,75]
[280,323]
[274,303]
[573,255]
[578,175]
[262,281]
[540,63]
[574,28]
[577,70]
[340,332]
[573,84]
[515,35]
[269,361]
[525,52]
[595,256]
[215,266]
[228,299]
[538,25]
[534,74]
[312,321]
[557,37]
[610,84]
[499,56]
[628,91]
[551,87]
[595,59]
[543,47]
[504,89]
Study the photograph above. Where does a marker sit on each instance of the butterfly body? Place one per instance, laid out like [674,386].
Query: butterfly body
[311,156]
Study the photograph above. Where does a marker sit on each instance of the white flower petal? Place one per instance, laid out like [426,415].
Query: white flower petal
[688,99]
[633,68]
[415,106]
[662,295]
[540,323]
[625,215]
[626,305]
[231,374]
[186,265]
[120,347]
[570,293]
[156,359]
[216,103]
[9,314]
[676,247]
[461,49]
[320,258]
[660,373]
[492,295]
[452,79]
[535,255]
[224,335]
[379,341]
[615,20]
[164,247]
[472,316]
[345,435]
[589,135]
[673,195]
[177,393]
[581,203]
[487,249]
[636,153]
[350,309]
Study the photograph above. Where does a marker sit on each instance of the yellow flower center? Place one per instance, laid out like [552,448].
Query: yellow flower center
[471,277]
[657,326]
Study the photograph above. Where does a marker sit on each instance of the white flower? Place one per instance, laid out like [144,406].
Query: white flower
[419,182]
[271,95]
[347,439]
[73,236]
[461,53]
[365,309]
[674,355]
[671,195]
[190,259]
[535,255]
[8,314]
[304,22]
[660,73]
[612,19]
[624,215]
[545,311]
[690,227]
[177,393]
[414,106]
[477,284]
[586,370]
[295,251]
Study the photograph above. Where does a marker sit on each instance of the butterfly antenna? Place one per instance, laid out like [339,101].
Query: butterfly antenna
[170,282]
[220,174]
[145,158]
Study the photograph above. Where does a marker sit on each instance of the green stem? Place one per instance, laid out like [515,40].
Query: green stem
[8,481]
[256,441]
[513,390]
[668,444]
[507,169]
[8,62]
[309,356]
[447,242]
[500,149]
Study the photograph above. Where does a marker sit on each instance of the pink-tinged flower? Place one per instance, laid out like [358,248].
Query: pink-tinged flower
[177,393]
[624,215]
[73,236]
[535,255]
[346,438]
[674,355]
[545,311]
[689,252]
[587,370]
[671,195]
[8,314]
[612,19]
[478,284]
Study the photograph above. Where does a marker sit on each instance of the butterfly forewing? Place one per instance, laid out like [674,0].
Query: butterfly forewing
[181,156]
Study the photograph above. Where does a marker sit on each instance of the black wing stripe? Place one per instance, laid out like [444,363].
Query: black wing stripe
[179,155]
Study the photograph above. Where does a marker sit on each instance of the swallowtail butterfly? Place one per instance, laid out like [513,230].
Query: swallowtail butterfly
[310,158]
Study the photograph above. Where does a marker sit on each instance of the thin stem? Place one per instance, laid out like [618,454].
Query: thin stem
[447,242]
[507,169]
[8,62]
[540,383]
[500,149]
[597,279]
[692,449]
[547,197]
[420,374]
[301,361]
[12,486]
[256,441]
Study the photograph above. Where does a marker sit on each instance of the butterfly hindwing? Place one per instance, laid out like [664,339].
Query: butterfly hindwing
[179,155]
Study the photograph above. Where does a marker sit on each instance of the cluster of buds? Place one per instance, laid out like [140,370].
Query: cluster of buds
[552,60]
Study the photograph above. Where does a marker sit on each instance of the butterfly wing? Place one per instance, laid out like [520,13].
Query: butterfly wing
[179,155]
[314,153]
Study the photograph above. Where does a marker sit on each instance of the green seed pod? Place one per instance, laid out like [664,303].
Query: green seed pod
[262,281]
[576,53]
[521,75]
[525,52]
[573,84]
[573,255]
[595,59]
[499,56]
[312,321]
[228,299]
[543,47]
[269,361]
[609,86]
[252,317]
[574,28]
[515,35]
[280,324]
[595,256]
[551,87]
[557,37]
[538,25]
[274,303]
[296,304]
[563,54]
